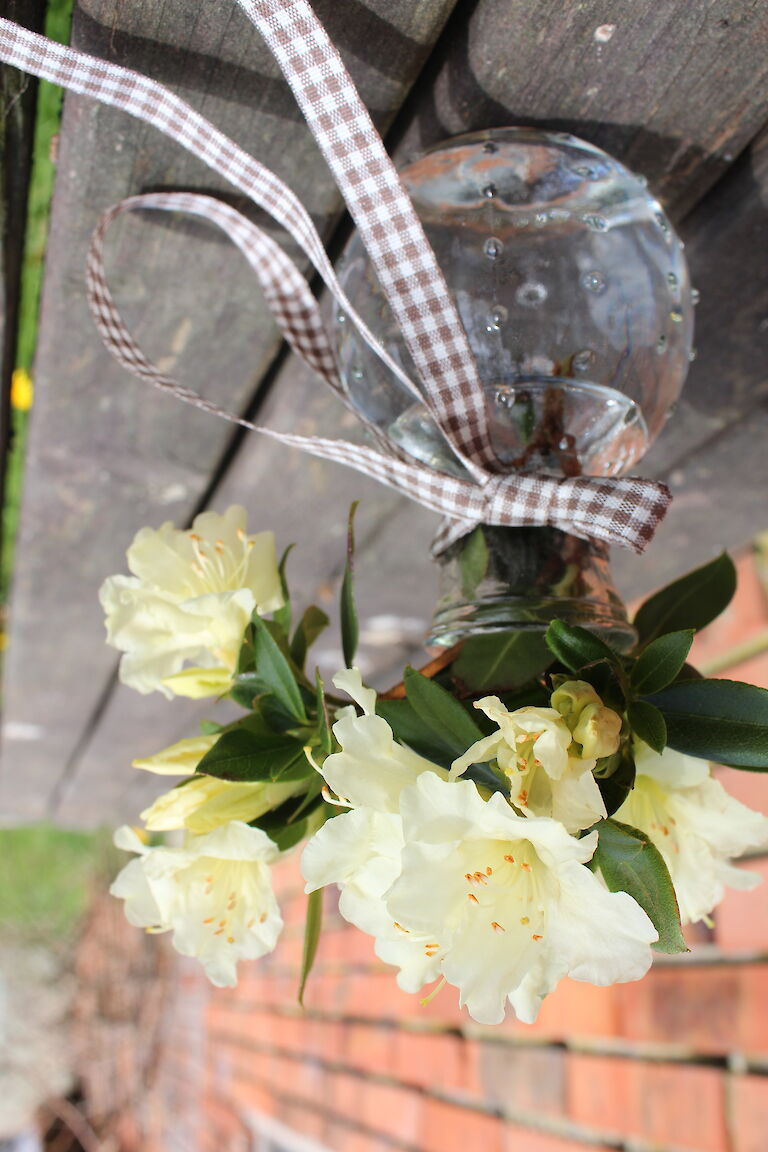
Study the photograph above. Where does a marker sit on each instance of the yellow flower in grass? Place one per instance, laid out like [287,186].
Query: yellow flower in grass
[180,618]
[22,390]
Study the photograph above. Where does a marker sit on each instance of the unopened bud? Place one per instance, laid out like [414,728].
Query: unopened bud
[597,731]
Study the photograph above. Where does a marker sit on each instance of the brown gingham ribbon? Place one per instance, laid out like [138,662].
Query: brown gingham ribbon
[619,510]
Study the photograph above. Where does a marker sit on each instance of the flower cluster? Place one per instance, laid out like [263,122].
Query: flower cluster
[494,842]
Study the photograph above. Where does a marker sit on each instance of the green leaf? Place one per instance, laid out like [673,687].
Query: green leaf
[660,663]
[350,629]
[501,660]
[409,729]
[312,928]
[323,723]
[648,723]
[721,720]
[473,561]
[255,753]
[575,647]
[312,624]
[274,671]
[693,601]
[440,712]
[283,616]
[630,863]
[210,728]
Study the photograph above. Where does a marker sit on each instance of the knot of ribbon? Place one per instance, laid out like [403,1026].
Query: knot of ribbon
[624,511]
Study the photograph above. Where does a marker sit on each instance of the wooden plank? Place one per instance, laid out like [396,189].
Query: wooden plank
[105,457]
[674,90]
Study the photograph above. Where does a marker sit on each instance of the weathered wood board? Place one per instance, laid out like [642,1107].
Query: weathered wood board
[104,459]
[678,116]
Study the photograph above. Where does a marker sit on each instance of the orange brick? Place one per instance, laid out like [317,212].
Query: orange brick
[524,1077]
[749,1103]
[741,918]
[597,1091]
[392,1111]
[371,1047]
[450,1128]
[698,1006]
[672,1104]
[431,1059]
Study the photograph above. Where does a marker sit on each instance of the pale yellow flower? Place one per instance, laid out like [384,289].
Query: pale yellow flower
[215,894]
[181,617]
[695,824]
[534,748]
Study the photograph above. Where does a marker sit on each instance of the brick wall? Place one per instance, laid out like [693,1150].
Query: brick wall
[676,1061]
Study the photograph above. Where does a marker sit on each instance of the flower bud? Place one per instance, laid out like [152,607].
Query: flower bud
[571,698]
[597,731]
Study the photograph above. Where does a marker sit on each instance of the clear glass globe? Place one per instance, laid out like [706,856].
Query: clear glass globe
[572,287]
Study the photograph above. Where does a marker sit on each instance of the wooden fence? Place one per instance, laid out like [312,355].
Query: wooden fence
[676,90]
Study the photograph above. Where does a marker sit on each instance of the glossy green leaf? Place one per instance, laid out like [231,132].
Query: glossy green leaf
[312,928]
[648,723]
[255,753]
[630,863]
[473,561]
[440,713]
[274,671]
[501,660]
[350,628]
[575,647]
[660,663]
[693,601]
[312,624]
[408,728]
[721,720]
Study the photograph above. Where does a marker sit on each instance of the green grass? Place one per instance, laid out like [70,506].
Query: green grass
[57,24]
[46,878]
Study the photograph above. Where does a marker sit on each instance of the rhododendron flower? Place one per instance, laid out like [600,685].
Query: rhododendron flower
[534,748]
[188,602]
[450,883]
[360,850]
[596,728]
[695,824]
[215,895]
[508,901]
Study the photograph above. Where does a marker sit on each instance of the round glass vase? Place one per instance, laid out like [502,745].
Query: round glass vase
[573,289]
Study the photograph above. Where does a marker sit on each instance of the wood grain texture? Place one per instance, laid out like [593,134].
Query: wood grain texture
[105,456]
[674,90]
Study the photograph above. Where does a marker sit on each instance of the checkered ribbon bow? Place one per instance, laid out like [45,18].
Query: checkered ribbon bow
[624,511]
